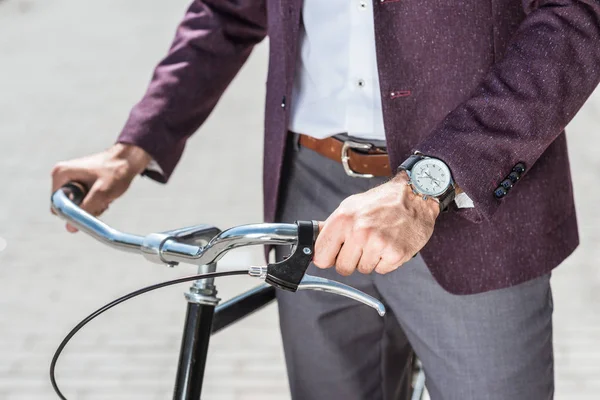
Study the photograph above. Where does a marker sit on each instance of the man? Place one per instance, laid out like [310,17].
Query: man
[442,98]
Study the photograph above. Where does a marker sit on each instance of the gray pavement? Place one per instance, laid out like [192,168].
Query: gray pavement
[69,73]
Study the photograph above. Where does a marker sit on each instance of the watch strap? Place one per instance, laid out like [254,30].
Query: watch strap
[447,198]
[410,162]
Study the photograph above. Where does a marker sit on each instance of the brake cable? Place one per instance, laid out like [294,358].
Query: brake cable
[120,300]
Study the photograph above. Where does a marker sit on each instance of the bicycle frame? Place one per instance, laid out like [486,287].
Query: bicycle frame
[204,318]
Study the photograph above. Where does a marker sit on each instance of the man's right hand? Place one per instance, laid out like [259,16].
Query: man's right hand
[107,175]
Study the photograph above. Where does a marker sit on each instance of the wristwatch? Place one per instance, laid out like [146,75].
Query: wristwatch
[431,178]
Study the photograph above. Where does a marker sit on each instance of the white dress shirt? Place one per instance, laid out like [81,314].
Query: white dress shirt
[336,88]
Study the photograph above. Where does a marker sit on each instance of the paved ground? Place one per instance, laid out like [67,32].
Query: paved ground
[69,73]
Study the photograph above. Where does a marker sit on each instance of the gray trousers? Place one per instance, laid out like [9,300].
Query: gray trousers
[495,345]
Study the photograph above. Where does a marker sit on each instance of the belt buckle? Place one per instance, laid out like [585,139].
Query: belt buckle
[348,144]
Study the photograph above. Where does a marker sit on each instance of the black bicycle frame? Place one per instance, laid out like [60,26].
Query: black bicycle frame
[201,321]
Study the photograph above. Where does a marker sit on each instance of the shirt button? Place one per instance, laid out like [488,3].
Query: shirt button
[363,5]
[360,83]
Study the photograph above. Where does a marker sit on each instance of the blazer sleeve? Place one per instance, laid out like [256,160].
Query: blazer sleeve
[211,44]
[549,69]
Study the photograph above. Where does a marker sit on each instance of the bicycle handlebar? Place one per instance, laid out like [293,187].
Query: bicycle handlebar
[205,244]
[171,247]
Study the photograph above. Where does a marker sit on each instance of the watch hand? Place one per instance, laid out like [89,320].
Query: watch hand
[433,179]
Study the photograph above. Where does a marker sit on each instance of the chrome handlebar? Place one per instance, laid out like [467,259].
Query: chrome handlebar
[198,245]
[201,245]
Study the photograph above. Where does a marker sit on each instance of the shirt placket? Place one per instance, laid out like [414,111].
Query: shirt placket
[362,87]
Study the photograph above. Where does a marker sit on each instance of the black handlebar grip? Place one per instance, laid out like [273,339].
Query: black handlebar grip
[75,191]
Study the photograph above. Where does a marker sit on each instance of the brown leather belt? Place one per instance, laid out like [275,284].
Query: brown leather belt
[361,160]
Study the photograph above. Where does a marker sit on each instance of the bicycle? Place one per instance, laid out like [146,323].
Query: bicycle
[204,245]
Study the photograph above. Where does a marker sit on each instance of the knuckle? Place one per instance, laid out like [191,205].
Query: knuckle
[342,270]
[320,263]
[364,230]
[58,170]
[365,268]
[346,208]
[342,215]
[347,202]
[377,241]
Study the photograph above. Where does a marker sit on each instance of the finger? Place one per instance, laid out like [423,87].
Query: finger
[71,228]
[391,259]
[64,173]
[347,259]
[384,266]
[329,242]
[368,261]
[97,200]
[371,255]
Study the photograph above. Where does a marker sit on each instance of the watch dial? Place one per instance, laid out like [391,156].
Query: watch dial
[430,176]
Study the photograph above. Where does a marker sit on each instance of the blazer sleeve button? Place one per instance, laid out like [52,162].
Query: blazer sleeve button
[500,192]
[514,177]
[519,168]
[506,184]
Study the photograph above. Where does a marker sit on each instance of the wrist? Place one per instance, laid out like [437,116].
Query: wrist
[135,157]
[402,179]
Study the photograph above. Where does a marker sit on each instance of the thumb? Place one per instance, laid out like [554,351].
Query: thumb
[98,199]
[95,202]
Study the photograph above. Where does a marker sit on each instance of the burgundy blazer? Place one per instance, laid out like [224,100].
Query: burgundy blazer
[480,84]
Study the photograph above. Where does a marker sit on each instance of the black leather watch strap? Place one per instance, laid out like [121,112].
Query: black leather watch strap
[446,199]
[410,162]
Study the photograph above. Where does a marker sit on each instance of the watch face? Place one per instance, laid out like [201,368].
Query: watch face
[430,176]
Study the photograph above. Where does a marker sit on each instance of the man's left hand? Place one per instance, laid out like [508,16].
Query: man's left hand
[378,230]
